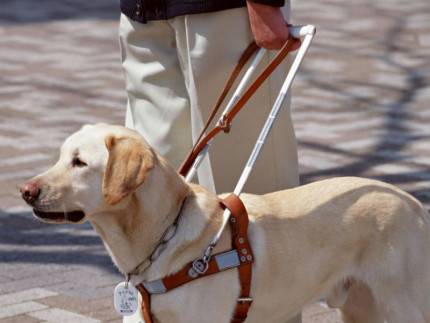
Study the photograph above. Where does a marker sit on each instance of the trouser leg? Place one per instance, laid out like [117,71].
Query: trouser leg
[158,103]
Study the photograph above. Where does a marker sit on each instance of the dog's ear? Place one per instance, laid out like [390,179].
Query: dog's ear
[128,164]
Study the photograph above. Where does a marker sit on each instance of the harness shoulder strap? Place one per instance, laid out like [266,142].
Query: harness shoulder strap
[146,303]
[240,241]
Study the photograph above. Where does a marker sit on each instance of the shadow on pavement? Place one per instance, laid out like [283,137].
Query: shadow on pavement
[24,239]
[395,136]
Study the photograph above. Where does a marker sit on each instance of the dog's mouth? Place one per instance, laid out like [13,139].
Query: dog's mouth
[74,216]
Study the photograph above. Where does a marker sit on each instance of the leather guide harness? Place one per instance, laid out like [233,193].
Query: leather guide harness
[240,256]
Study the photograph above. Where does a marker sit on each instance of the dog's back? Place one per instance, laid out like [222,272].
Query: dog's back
[364,244]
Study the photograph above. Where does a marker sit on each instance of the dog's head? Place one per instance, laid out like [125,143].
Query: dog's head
[99,166]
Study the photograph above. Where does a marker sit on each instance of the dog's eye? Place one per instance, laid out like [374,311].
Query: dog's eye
[78,163]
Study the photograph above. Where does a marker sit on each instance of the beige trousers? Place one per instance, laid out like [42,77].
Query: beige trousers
[175,70]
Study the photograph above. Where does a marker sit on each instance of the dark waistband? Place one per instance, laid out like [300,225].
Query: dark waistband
[147,10]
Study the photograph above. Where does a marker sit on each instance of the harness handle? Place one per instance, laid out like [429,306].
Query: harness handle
[225,126]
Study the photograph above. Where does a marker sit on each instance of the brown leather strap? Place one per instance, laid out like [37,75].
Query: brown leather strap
[241,243]
[244,302]
[182,277]
[231,79]
[239,218]
[146,303]
[201,143]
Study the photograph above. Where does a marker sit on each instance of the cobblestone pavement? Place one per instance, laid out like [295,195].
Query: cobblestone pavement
[360,106]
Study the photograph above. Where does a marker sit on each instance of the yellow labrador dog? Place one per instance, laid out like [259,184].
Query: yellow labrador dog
[361,244]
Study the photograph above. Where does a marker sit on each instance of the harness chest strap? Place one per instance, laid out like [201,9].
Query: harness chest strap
[241,257]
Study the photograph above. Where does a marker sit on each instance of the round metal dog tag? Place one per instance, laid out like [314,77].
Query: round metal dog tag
[126,299]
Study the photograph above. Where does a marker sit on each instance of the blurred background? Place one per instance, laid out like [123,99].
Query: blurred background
[360,107]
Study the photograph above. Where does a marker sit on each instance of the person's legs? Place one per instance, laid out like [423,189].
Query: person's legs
[158,104]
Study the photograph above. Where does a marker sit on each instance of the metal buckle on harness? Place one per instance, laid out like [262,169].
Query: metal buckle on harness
[245,299]
[222,123]
[200,266]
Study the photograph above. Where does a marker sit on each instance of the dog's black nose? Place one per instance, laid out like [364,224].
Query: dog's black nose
[30,191]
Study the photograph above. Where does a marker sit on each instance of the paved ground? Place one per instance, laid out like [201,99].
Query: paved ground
[360,108]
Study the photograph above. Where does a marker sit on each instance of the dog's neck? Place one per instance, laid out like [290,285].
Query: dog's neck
[133,231]
[162,243]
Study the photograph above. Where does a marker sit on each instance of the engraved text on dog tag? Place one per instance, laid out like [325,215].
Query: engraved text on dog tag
[126,299]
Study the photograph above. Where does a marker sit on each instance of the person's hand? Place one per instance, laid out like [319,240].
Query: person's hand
[268,26]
